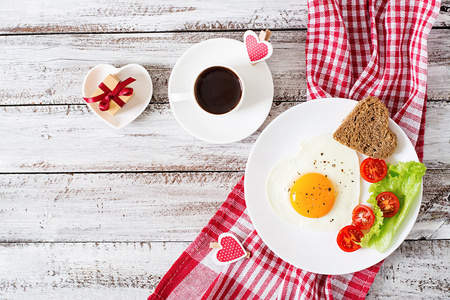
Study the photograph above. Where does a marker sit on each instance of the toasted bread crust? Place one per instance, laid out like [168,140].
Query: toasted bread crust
[366,129]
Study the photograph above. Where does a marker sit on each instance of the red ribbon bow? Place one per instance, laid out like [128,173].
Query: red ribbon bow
[108,95]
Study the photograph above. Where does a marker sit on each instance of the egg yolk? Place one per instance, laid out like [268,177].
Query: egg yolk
[312,195]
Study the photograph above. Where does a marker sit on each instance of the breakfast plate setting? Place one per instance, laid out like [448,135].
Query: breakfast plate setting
[221,91]
[225,150]
[308,247]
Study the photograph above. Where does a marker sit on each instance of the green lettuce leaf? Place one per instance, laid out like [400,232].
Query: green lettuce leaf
[404,180]
[376,227]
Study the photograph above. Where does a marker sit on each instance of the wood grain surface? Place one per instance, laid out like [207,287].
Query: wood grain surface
[59,132]
[157,15]
[417,270]
[55,65]
[89,212]
[150,206]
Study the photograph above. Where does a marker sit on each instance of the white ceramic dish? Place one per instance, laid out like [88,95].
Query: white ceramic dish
[239,123]
[143,90]
[314,251]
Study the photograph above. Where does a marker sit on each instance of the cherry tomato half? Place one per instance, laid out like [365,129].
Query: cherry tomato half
[373,170]
[348,237]
[388,204]
[363,217]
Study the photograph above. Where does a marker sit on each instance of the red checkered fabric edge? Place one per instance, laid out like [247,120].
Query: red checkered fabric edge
[263,276]
[354,49]
[379,48]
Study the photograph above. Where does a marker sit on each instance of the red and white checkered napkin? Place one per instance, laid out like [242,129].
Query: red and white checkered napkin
[358,48]
[354,48]
[263,276]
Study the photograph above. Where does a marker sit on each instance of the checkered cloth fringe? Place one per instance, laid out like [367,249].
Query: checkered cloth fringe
[378,48]
[354,49]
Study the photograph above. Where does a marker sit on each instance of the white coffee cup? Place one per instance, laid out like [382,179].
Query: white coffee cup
[217,90]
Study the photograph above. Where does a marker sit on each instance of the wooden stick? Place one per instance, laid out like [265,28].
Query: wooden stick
[264,35]
[214,245]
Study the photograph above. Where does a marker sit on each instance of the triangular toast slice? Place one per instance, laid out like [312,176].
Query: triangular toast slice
[366,129]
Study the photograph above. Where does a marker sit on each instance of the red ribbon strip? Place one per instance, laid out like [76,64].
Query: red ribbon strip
[108,95]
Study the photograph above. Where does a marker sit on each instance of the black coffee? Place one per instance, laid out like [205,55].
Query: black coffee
[218,90]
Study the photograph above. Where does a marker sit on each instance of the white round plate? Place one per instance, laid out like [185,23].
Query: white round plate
[143,91]
[314,251]
[238,124]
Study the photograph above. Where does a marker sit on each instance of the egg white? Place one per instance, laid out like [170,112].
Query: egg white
[320,154]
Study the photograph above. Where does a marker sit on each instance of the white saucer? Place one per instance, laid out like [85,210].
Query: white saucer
[143,90]
[238,124]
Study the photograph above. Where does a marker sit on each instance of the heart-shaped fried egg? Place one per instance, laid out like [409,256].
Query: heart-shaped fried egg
[318,188]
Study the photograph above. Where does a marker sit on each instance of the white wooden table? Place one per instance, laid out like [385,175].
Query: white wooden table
[78,224]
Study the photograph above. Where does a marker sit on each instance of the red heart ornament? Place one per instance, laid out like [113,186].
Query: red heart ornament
[231,249]
[257,50]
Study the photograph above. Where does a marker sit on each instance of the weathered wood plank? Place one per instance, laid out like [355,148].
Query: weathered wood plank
[50,69]
[72,139]
[149,207]
[110,207]
[54,66]
[434,214]
[437,144]
[84,270]
[76,140]
[416,270]
[157,15]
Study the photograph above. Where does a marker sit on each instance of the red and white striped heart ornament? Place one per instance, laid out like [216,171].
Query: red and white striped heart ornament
[258,49]
[228,249]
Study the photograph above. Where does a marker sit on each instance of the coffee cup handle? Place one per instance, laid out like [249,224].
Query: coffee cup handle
[179,97]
